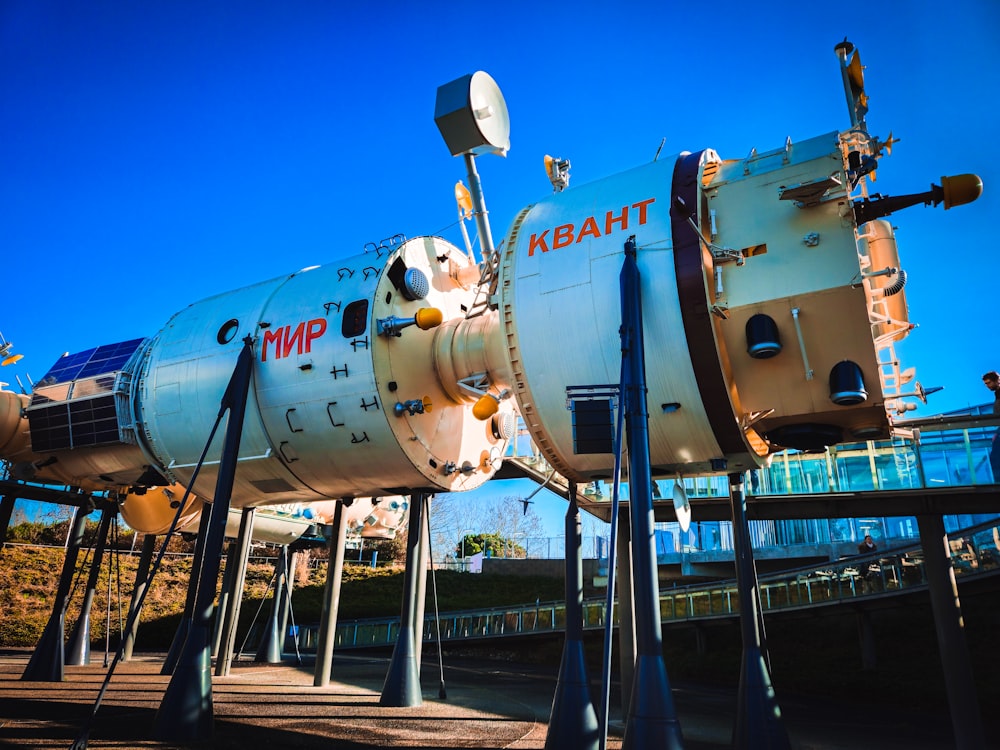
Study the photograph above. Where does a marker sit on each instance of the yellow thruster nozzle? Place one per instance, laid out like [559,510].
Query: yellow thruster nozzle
[961,189]
[485,407]
[428,317]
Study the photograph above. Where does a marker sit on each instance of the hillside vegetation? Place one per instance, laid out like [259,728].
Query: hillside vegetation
[29,579]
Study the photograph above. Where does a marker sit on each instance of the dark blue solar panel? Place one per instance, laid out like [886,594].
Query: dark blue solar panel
[85,364]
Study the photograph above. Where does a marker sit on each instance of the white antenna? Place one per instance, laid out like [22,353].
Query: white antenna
[472,116]
[682,506]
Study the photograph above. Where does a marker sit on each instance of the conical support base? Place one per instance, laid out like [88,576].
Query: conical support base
[46,663]
[402,681]
[78,645]
[176,646]
[269,650]
[573,722]
[758,715]
[652,719]
[185,714]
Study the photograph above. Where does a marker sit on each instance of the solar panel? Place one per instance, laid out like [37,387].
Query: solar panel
[97,361]
[73,406]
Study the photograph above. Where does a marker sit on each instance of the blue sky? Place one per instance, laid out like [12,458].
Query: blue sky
[153,154]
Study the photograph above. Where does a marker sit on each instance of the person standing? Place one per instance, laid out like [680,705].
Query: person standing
[869,569]
[867,546]
[992,381]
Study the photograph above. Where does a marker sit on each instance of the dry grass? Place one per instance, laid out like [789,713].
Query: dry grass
[29,579]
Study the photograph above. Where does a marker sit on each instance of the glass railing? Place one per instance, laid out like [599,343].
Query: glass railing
[899,570]
[939,455]
[938,458]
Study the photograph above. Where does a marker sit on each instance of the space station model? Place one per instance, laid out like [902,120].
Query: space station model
[773,295]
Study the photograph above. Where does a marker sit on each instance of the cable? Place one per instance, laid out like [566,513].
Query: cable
[272,582]
[612,560]
[442,693]
[78,574]
[80,743]
[107,610]
[289,582]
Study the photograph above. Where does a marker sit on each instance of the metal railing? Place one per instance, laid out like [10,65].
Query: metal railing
[975,552]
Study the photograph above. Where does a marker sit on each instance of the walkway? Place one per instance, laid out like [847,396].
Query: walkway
[489,705]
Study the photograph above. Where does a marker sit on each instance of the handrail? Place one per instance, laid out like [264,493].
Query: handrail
[899,570]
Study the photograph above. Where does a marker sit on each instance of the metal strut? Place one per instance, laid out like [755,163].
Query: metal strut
[186,710]
[652,718]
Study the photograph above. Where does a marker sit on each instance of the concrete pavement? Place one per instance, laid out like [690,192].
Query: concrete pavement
[489,705]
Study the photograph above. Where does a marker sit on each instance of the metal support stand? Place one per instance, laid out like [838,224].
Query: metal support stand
[652,718]
[331,599]
[573,720]
[285,614]
[758,716]
[963,700]
[186,710]
[6,511]
[223,604]
[141,581]
[238,558]
[184,626]
[402,682]
[271,642]
[46,663]
[626,625]
[78,645]
[423,563]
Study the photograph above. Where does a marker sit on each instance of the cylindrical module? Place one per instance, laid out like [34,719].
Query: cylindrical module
[345,400]
[561,319]
[769,239]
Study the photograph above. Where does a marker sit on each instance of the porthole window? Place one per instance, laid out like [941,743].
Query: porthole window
[355,319]
[227,332]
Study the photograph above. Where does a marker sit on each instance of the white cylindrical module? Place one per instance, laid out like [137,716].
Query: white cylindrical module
[726,250]
[561,314]
[345,401]
[154,510]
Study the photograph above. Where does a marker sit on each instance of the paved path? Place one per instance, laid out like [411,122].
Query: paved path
[488,705]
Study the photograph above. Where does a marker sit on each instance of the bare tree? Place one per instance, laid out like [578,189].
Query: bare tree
[453,516]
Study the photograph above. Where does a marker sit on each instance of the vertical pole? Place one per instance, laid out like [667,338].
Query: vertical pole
[224,595]
[186,710]
[184,627]
[479,206]
[269,650]
[573,720]
[626,621]
[331,599]
[78,645]
[287,614]
[141,581]
[758,716]
[652,719]
[423,565]
[238,558]
[402,682]
[963,700]
[6,511]
[46,663]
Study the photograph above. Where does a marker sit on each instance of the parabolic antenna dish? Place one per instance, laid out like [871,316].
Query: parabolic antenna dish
[682,507]
[472,116]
